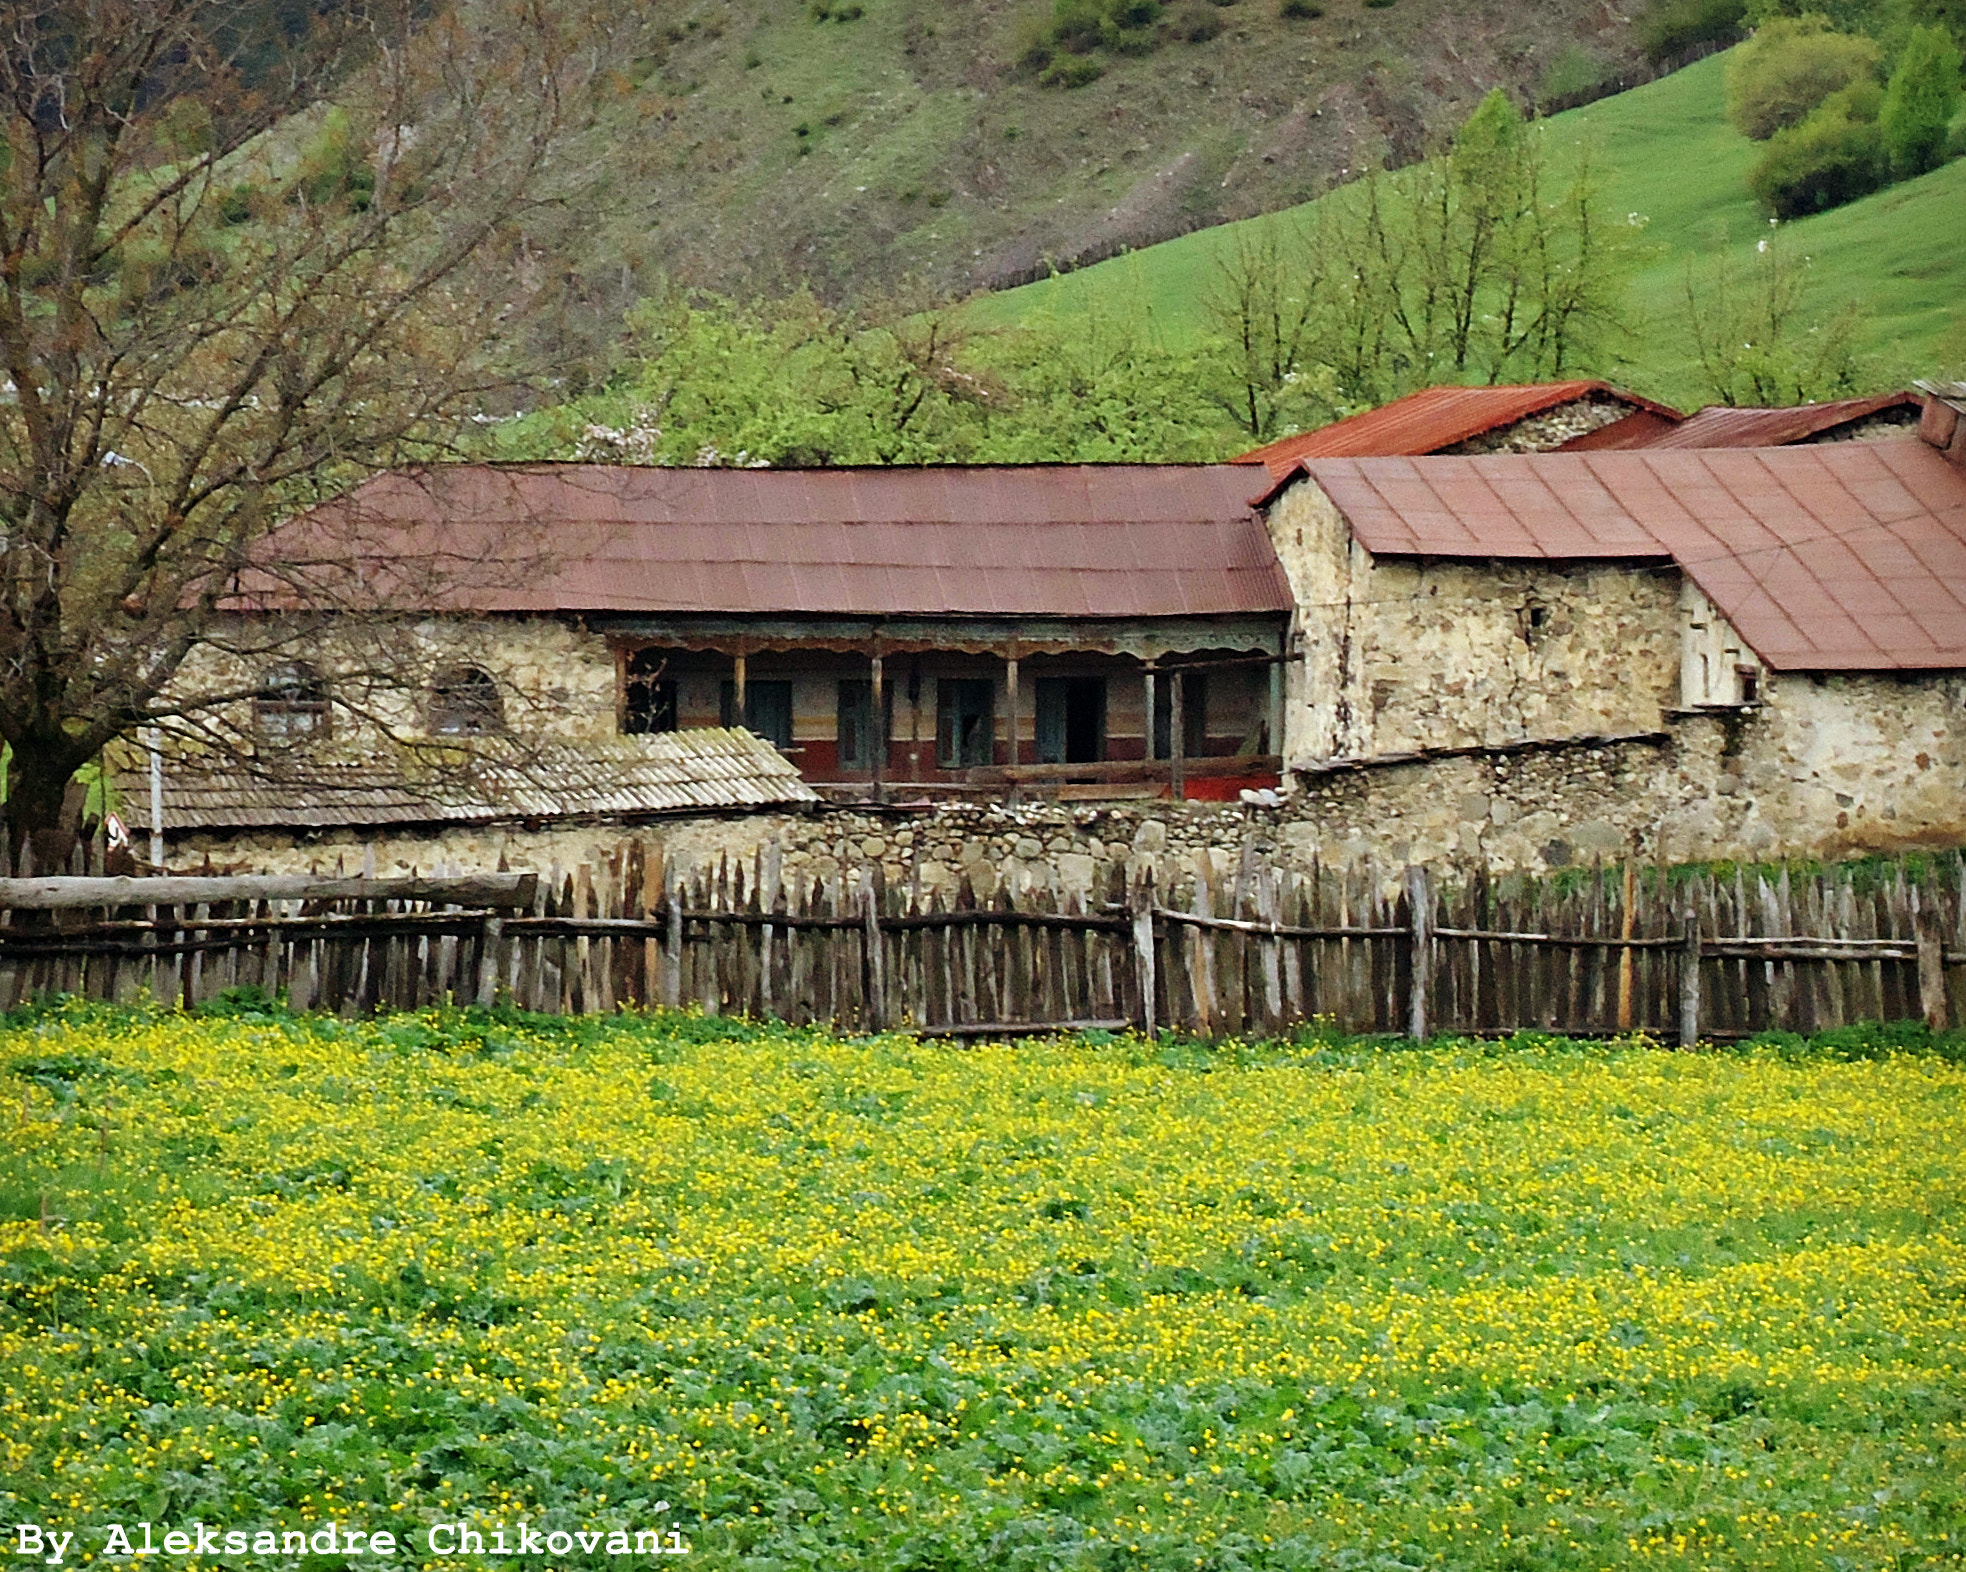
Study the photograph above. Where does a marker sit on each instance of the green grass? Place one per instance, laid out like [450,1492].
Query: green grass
[875,1303]
[1668,155]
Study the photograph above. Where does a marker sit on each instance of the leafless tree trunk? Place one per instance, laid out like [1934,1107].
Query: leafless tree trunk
[237,271]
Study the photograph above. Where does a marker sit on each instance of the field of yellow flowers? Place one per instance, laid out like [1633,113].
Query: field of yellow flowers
[796,1301]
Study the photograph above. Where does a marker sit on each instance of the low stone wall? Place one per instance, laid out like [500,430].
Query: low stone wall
[1834,767]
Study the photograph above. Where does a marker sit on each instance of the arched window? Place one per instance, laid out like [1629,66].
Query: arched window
[292,702]
[464,702]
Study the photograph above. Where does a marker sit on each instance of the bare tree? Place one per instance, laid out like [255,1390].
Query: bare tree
[1264,306]
[1487,263]
[1757,337]
[238,270]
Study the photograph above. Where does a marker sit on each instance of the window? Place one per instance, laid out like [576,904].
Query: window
[1194,714]
[648,695]
[1071,720]
[858,739]
[292,702]
[767,710]
[965,722]
[465,702]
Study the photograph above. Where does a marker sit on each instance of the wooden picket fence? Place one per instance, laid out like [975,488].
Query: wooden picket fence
[1680,954]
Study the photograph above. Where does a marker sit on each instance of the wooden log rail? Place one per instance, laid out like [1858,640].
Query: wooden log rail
[506,890]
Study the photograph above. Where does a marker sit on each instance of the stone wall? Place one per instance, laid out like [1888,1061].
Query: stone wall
[555,678]
[1826,768]
[1552,428]
[1408,654]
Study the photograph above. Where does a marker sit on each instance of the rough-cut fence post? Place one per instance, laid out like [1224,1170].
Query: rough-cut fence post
[488,959]
[1689,981]
[1931,965]
[1420,901]
[1143,947]
[874,954]
[1627,915]
[672,958]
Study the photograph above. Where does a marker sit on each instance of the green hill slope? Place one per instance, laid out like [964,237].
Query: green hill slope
[857,146]
[1669,157]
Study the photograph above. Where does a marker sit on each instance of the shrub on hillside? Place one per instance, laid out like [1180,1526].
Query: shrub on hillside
[1844,16]
[1786,70]
[1300,10]
[1830,159]
[1920,103]
[1071,71]
[1198,23]
[1948,14]
[1122,26]
[1671,27]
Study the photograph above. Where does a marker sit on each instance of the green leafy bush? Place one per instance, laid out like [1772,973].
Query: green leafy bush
[1671,27]
[1920,102]
[1845,16]
[1071,71]
[1787,69]
[1826,161]
[1300,10]
[1948,14]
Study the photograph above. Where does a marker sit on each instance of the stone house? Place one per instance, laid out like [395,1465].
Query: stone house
[888,630]
[1787,625]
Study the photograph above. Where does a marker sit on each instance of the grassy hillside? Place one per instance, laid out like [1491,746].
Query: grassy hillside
[859,146]
[1668,156]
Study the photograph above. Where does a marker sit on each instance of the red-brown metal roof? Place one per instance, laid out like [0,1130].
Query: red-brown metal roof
[1117,540]
[1839,556]
[1432,419]
[1642,428]
[1719,426]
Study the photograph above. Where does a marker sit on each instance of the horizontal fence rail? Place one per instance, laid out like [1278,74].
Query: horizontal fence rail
[1679,954]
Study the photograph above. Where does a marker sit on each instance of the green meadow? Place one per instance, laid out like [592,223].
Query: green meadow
[796,1299]
[1671,163]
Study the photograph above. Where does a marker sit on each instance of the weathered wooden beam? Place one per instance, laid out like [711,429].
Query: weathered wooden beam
[63,894]
[1276,930]
[1129,769]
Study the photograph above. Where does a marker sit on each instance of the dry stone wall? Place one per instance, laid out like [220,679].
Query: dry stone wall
[1551,429]
[1827,768]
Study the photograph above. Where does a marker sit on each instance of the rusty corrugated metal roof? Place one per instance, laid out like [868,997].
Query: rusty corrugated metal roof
[1843,556]
[673,772]
[1640,429]
[1112,540]
[1721,426]
[1432,419]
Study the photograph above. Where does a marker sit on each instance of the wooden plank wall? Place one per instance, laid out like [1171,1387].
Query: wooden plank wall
[1607,950]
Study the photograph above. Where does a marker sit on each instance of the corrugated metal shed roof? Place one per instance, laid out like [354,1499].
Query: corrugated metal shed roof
[675,772]
[1640,429]
[1841,556]
[1113,540]
[1432,419]
[1720,426]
